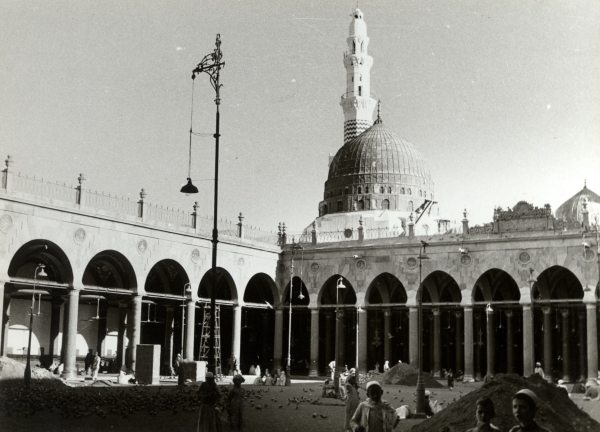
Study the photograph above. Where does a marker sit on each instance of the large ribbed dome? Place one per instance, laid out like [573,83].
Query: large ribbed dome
[573,207]
[379,151]
[376,170]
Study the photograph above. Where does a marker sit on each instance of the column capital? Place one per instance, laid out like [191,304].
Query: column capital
[314,311]
[565,312]
[436,311]
[278,311]
[457,314]
[386,312]
[468,308]
[590,306]
[547,310]
[123,304]
[509,313]
[170,308]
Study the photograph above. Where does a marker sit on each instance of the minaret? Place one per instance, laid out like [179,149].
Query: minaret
[357,102]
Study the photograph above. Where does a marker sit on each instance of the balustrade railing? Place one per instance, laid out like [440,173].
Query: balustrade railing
[168,216]
[112,204]
[39,187]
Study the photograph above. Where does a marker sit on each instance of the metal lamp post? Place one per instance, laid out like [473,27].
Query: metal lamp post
[420,409]
[28,365]
[295,248]
[336,376]
[211,64]
[531,280]
[358,311]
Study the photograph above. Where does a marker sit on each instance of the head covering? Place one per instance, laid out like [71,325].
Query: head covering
[352,370]
[538,364]
[427,393]
[238,377]
[371,383]
[209,375]
[528,396]
[561,382]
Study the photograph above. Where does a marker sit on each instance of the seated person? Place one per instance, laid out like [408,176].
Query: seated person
[282,379]
[258,380]
[328,390]
[592,392]
[268,379]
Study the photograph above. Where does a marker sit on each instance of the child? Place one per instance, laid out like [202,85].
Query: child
[484,413]
[374,415]
[235,404]
[351,399]
[525,404]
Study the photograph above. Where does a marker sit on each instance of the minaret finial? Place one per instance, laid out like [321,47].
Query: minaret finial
[378,112]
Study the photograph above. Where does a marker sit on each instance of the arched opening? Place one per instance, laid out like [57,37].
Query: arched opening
[24,272]
[385,204]
[345,298]
[110,269]
[442,343]
[226,295]
[361,204]
[258,322]
[325,209]
[387,329]
[299,347]
[340,206]
[498,289]
[559,330]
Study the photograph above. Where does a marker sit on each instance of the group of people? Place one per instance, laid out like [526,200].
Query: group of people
[278,378]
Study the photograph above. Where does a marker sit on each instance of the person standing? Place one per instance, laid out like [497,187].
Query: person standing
[235,405]
[525,404]
[374,414]
[352,400]
[538,370]
[484,413]
[450,377]
[208,394]
[95,366]
[386,366]
[89,360]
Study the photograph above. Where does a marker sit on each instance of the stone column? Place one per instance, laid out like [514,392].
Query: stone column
[329,344]
[431,367]
[478,344]
[510,343]
[437,343]
[190,315]
[314,343]
[582,346]
[362,340]
[387,344]
[121,343]
[237,334]
[565,345]
[527,341]
[70,370]
[65,325]
[548,344]
[469,374]
[413,336]
[136,329]
[458,341]
[490,344]
[592,342]
[2,314]
[129,333]
[56,303]
[169,325]
[340,342]
[265,332]
[278,339]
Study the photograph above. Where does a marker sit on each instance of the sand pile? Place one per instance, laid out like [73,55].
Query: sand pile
[13,371]
[405,374]
[556,411]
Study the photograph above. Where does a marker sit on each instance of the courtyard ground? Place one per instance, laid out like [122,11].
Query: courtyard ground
[293,417]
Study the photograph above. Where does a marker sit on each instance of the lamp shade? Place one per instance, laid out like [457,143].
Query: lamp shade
[340,284]
[189,188]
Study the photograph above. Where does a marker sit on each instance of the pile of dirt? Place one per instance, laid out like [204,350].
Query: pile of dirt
[12,371]
[556,411]
[405,374]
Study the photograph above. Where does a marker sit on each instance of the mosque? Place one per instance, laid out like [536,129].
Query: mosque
[496,298]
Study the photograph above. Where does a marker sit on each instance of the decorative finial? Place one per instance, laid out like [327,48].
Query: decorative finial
[196,206]
[465,213]
[378,112]
[314,224]
[411,217]
[279,228]
[283,227]
[8,161]
[360,221]
[143,194]
[241,217]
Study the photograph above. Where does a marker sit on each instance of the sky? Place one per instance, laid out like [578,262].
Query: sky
[502,97]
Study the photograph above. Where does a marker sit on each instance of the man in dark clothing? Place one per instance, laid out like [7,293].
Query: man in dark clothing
[89,359]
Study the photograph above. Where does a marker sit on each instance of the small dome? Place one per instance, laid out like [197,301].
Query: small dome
[379,151]
[572,208]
